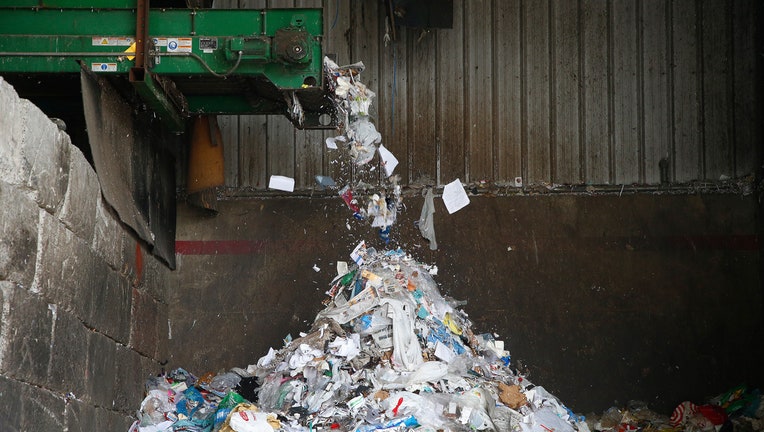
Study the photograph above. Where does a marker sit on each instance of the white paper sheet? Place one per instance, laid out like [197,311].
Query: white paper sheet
[342,268]
[389,161]
[455,197]
[281,183]
[443,352]
[359,253]
[331,142]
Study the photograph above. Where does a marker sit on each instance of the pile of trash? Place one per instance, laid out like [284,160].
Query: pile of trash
[388,352]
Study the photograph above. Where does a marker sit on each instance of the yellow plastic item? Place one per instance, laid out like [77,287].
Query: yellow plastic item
[451,324]
[205,160]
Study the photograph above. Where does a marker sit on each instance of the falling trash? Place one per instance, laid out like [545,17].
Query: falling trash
[426,221]
[363,138]
[281,183]
[353,101]
[325,182]
[454,196]
[389,161]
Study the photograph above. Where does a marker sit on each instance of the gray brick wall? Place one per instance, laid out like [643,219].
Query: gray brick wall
[83,319]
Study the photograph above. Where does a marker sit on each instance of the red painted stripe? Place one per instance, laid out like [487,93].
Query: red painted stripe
[218,247]
[138,263]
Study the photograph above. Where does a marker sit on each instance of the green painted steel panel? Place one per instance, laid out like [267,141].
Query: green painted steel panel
[220,104]
[280,45]
[162,22]
[58,22]
[89,4]
[73,31]
[77,49]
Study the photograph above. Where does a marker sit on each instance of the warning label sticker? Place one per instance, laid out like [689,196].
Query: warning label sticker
[111,41]
[208,44]
[179,44]
[162,41]
[103,67]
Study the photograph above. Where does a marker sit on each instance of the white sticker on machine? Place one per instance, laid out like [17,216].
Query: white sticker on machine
[179,44]
[103,67]
[111,41]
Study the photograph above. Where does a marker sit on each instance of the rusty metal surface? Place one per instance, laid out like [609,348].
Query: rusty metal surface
[601,298]
[593,92]
[134,166]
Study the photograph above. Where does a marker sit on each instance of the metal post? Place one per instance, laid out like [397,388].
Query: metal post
[141,33]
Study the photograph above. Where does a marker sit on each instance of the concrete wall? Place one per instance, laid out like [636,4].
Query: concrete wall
[603,299]
[83,320]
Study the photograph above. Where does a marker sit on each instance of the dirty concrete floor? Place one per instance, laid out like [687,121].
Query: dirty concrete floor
[601,299]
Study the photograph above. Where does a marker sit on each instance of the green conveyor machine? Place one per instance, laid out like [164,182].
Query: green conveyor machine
[182,62]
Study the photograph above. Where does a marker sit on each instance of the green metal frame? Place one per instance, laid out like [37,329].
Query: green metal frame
[101,36]
[60,36]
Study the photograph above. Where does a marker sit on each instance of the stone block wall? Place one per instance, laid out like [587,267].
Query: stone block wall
[83,320]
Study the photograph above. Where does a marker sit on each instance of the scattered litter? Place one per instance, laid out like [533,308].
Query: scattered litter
[363,138]
[331,142]
[426,221]
[380,209]
[353,102]
[454,196]
[347,195]
[359,253]
[738,409]
[362,141]
[389,161]
[342,268]
[325,182]
[281,183]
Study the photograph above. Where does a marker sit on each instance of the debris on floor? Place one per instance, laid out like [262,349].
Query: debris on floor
[740,409]
[388,352]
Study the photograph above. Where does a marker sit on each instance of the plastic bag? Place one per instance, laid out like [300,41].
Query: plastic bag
[430,371]
[477,406]
[223,383]
[346,347]
[364,137]
[248,418]
[250,421]
[154,407]
[225,407]
[373,322]
[426,222]
[192,402]
[406,352]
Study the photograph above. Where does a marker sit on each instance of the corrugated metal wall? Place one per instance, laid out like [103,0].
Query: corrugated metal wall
[553,91]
